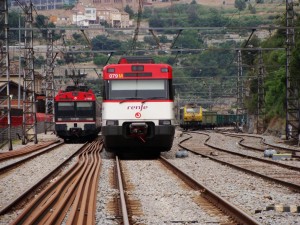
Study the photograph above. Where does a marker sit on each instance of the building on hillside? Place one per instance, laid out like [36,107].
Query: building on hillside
[86,16]
[114,17]
[125,21]
[90,15]
[60,20]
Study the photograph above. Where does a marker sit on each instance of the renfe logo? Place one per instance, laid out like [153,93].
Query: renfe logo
[138,115]
[136,107]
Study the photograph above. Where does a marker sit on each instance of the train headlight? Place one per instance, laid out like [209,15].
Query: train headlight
[112,123]
[165,122]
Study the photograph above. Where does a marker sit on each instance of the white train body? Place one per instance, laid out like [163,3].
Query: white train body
[138,107]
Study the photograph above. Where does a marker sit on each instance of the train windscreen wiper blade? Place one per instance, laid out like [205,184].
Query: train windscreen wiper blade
[127,99]
[152,98]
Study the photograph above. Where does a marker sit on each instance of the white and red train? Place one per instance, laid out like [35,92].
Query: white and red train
[138,106]
[77,114]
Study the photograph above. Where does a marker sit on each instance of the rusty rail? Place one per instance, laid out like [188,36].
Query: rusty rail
[229,209]
[72,197]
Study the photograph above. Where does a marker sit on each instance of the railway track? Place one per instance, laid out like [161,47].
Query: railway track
[73,193]
[25,150]
[13,159]
[12,172]
[206,199]
[277,172]
[248,141]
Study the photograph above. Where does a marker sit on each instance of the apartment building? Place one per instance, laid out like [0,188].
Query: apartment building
[86,15]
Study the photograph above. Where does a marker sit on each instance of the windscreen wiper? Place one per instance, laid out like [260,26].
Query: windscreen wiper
[127,99]
[152,98]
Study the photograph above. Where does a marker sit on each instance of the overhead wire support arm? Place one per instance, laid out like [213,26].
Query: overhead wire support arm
[110,55]
[246,44]
[175,39]
[137,29]
[98,74]
[86,38]
[174,60]
[155,38]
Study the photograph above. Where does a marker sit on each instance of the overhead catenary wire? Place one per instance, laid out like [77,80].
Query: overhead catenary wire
[157,30]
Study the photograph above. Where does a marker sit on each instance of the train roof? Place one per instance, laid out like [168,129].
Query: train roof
[77,88]
[76,93]
[136,59]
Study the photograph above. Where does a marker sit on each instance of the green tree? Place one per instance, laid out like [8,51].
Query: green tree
[129,10]
[156,21]
[13,21]
[275,94]
[252,9]
[149,40]
[100,59]
[79,38]
[41,22]
[240,4]
[163,39]
[189,39]
[101,42]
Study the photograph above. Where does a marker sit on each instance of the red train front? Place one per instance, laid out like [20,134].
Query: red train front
[138,106]
[77,114]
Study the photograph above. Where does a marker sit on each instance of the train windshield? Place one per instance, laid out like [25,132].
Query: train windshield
[138,89]
[65,109]
[193,110]
[75,109]
[85,109]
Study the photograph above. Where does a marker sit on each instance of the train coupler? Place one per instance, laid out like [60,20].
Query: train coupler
[138,130]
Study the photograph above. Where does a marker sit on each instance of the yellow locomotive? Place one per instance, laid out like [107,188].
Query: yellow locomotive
[191,116]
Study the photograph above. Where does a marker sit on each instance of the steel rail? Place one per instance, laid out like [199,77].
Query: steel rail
[293,186]
[228,208]
[122,194]
[25,150]
[74,192]
[294,151]
[21,197]
[280,148]
[295,168]
[30,209]
[21,161]
[263,140]
[86,199]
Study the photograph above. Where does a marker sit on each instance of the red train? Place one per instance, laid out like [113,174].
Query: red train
[138,106]
[77,114]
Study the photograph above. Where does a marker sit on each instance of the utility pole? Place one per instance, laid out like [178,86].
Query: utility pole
[29,99]
[49,81]
[240,110]
[260,96]
[5,103]
[292,82]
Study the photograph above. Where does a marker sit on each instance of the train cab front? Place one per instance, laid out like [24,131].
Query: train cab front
[66,131]
[139,135]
